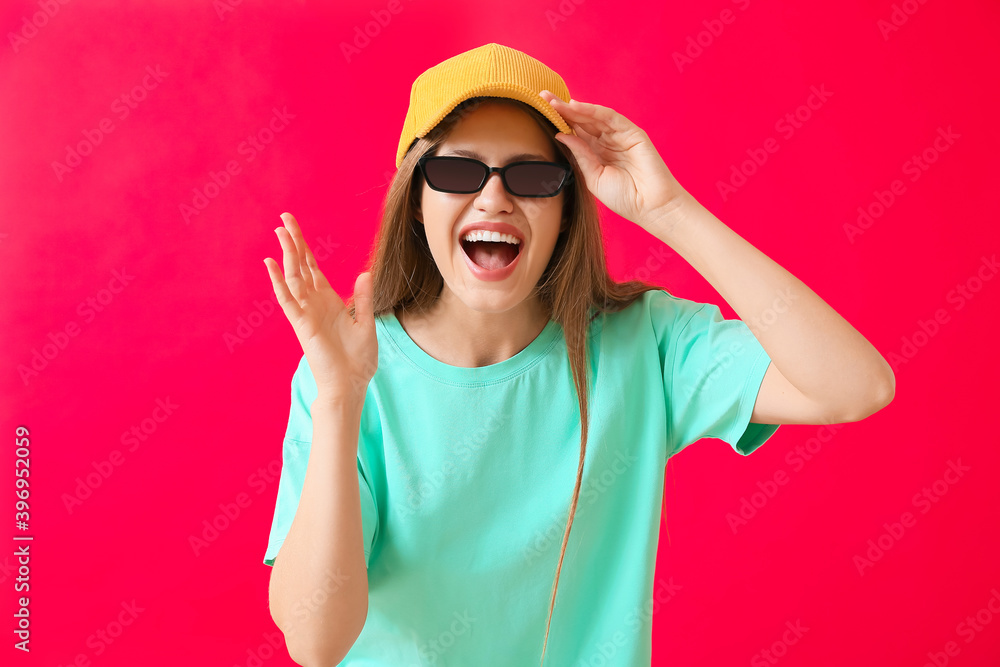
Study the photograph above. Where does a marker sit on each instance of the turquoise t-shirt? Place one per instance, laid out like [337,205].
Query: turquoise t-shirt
[466,477]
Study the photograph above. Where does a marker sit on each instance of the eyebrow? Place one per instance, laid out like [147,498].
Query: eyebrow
[513,158]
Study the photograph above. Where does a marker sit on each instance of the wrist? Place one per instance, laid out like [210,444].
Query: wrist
[340,403]
[664,222]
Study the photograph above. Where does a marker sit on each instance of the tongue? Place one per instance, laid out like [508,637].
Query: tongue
[490,255]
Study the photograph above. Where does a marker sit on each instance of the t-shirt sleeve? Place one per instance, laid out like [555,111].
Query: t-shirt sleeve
[712,371]
[294,458]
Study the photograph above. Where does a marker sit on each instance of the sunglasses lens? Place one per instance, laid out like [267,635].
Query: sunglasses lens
[535,180]
[465,176]
[454,175]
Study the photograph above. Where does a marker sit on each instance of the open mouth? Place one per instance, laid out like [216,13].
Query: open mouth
[491,255]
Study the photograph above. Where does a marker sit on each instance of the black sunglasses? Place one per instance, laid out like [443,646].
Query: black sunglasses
[463,175]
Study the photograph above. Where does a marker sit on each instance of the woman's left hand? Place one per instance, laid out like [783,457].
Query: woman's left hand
[619,162]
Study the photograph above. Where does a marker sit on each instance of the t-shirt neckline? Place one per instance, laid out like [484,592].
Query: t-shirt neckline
[497,372]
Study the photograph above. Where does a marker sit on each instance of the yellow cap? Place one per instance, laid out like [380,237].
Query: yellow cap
[491,70]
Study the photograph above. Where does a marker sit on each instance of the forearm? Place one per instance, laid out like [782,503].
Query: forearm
[319,591]
[816,349]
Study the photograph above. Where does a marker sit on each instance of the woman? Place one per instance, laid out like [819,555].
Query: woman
[424,512]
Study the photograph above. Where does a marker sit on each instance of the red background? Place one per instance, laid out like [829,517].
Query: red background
[169,333]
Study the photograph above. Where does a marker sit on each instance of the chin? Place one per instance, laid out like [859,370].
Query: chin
[491,303]
[490,298]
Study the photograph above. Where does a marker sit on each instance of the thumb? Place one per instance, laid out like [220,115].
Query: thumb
[363,293]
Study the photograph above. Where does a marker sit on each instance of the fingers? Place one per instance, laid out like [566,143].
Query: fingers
[588,139]
[568,110]
[318,279]
[583,150]
[590,164]
[302,273]
[311,273]
[290,258]
[581,112]
[287,302]
[301,249]
[595,119]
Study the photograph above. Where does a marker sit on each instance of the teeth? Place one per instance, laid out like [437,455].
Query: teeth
[496,237]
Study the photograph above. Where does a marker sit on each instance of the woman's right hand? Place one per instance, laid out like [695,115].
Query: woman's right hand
[342,351]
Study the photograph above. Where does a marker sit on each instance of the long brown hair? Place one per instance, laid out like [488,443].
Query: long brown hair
[575,280]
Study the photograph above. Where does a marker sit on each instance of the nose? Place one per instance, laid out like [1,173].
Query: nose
[494,196]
